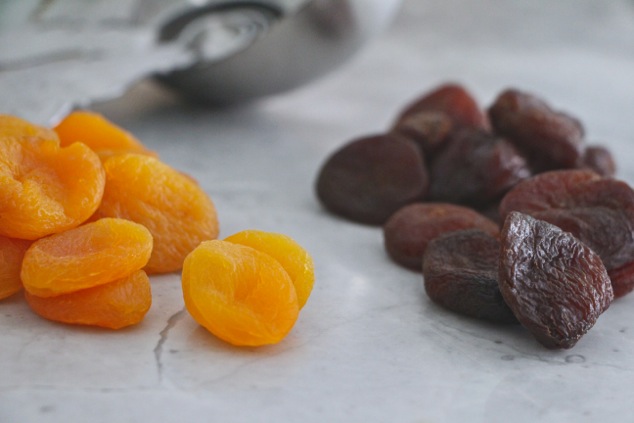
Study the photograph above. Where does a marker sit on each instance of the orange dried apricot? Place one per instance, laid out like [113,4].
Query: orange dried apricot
[11,254]
[17,128]
[241,295]
[89,255]
[114,305]
[98,133]
[175,209]
[293,258]
[45,189]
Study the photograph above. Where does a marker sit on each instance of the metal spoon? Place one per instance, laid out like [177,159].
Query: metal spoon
[60,54]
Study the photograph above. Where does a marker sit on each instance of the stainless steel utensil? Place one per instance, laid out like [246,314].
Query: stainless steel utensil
[60,54]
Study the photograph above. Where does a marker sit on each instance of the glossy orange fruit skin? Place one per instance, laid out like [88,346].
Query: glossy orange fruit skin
[292,256]
[11,254]
[98,133]
[44,189]
[178,213]
[89,255]
[114,305]
[241,295]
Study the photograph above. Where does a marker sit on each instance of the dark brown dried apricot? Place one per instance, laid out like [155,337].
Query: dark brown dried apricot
[476,169]
[430,130]
[549,138]
[599,159]
[370,178]
[556,286]
[451,99]
[598,211]
[460,271]
[407,232]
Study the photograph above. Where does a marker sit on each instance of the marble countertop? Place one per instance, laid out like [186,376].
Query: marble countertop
[369,346]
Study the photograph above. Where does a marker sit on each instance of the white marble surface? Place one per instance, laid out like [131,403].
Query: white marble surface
[369,346]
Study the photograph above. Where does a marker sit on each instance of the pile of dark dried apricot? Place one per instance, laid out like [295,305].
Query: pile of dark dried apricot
[87,212]
[507,212]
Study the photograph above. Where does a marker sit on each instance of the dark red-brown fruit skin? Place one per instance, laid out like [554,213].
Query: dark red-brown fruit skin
[622,279]
[550,139]
[600,160]
[428,129]
[407,232]
[453,100]
[460,271]
[598,211]
[476,169]
[370,178]
[545,191]
[556,286]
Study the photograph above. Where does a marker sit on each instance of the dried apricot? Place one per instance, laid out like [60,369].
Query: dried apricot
[239,294]
[19,129]
[371,177]
[45,189]
[89,255]
[476,169]
[11,254]
[452,99]
[407,232]
[460,271]
[549,138]
[599,159]
[430,130]
[98,133]
[556,286]
[598,211]
[293,258]
[175,209]
[114,305]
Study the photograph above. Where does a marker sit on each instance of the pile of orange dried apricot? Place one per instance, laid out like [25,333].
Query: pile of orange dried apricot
[87,212]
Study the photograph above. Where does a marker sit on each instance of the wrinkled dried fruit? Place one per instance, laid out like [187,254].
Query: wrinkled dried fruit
[240,294]
[101,135]
[370,178]
[556,286]
[293,258]
[178,213]
[598,211]
[600,160]
[549,138]
[19,129]
[460,271]
[453,100]
[114,305]
[90,255]
[407,232]
[44,189]
[429,130]
[11,254]
[476,169]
